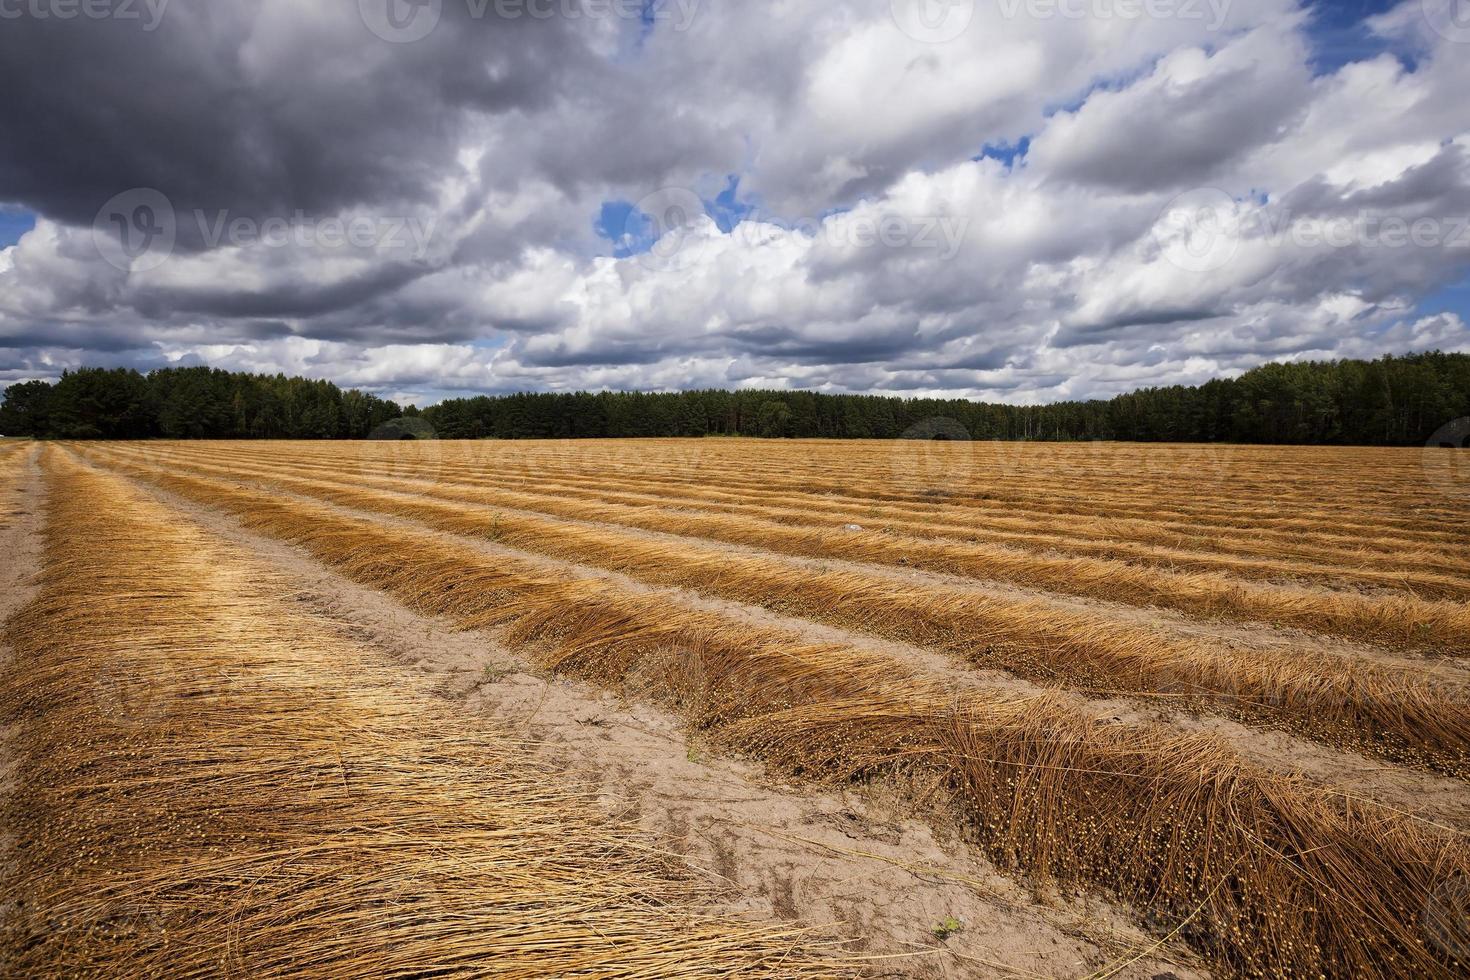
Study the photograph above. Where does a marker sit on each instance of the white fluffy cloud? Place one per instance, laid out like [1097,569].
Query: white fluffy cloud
[1195,199]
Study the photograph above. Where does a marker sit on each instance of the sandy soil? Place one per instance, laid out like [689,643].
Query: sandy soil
[1236,634]
[22,519]
[1442,800]
[853,862]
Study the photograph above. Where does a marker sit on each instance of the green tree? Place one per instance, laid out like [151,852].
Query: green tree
[27,409]
[773,421]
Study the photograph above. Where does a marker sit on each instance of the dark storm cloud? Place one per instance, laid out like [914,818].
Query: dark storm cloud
[283,300]
[1130,325]
[988,360]
[560,355]
[849,343]
[250,107]
[129,334]
[55,334]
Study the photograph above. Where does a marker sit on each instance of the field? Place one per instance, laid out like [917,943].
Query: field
[734,708]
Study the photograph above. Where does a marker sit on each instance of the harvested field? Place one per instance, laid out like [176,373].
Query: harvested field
[1337,698]
[1401,617]
[1215,693]
[242,793]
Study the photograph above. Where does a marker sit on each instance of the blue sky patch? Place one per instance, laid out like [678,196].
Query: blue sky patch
[1006,153]
[633,232]
[1339,34]
[1454,298]
[14,222]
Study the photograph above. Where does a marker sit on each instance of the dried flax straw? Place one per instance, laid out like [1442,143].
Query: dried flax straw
[209,782]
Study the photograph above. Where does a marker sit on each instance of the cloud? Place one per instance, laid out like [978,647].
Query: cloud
[1192,197]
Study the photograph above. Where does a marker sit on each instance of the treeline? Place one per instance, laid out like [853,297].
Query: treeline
[1389,401]
[189,403]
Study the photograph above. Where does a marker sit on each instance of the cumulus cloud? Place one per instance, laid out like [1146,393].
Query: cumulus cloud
[1043,205]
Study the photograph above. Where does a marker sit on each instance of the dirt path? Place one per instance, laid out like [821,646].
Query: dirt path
[249,793]
[22,521]
[22,518]
[1443,801]
[1235,634]
[850,861]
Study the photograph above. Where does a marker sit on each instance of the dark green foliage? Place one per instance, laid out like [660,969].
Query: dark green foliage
[189,403]
[1390,401]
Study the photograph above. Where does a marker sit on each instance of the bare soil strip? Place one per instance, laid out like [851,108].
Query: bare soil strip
[22,520]
[1402,622]
[22,500]
[1336,700]
[1427,550]
[1261,872]
[210,782]
[854,861]
[1210,489]
[1349,567]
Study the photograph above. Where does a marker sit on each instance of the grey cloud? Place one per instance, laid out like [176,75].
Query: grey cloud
[510,135]
[283,299]
[254,106]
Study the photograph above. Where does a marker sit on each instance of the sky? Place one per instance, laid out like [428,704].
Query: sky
[1014,200]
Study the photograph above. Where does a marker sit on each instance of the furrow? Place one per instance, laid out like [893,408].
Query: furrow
[1263,873]
[1398,622]
[1400,713]
[208,783]
[1161,547]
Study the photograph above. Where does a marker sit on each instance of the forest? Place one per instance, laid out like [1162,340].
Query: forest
[1394,400]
